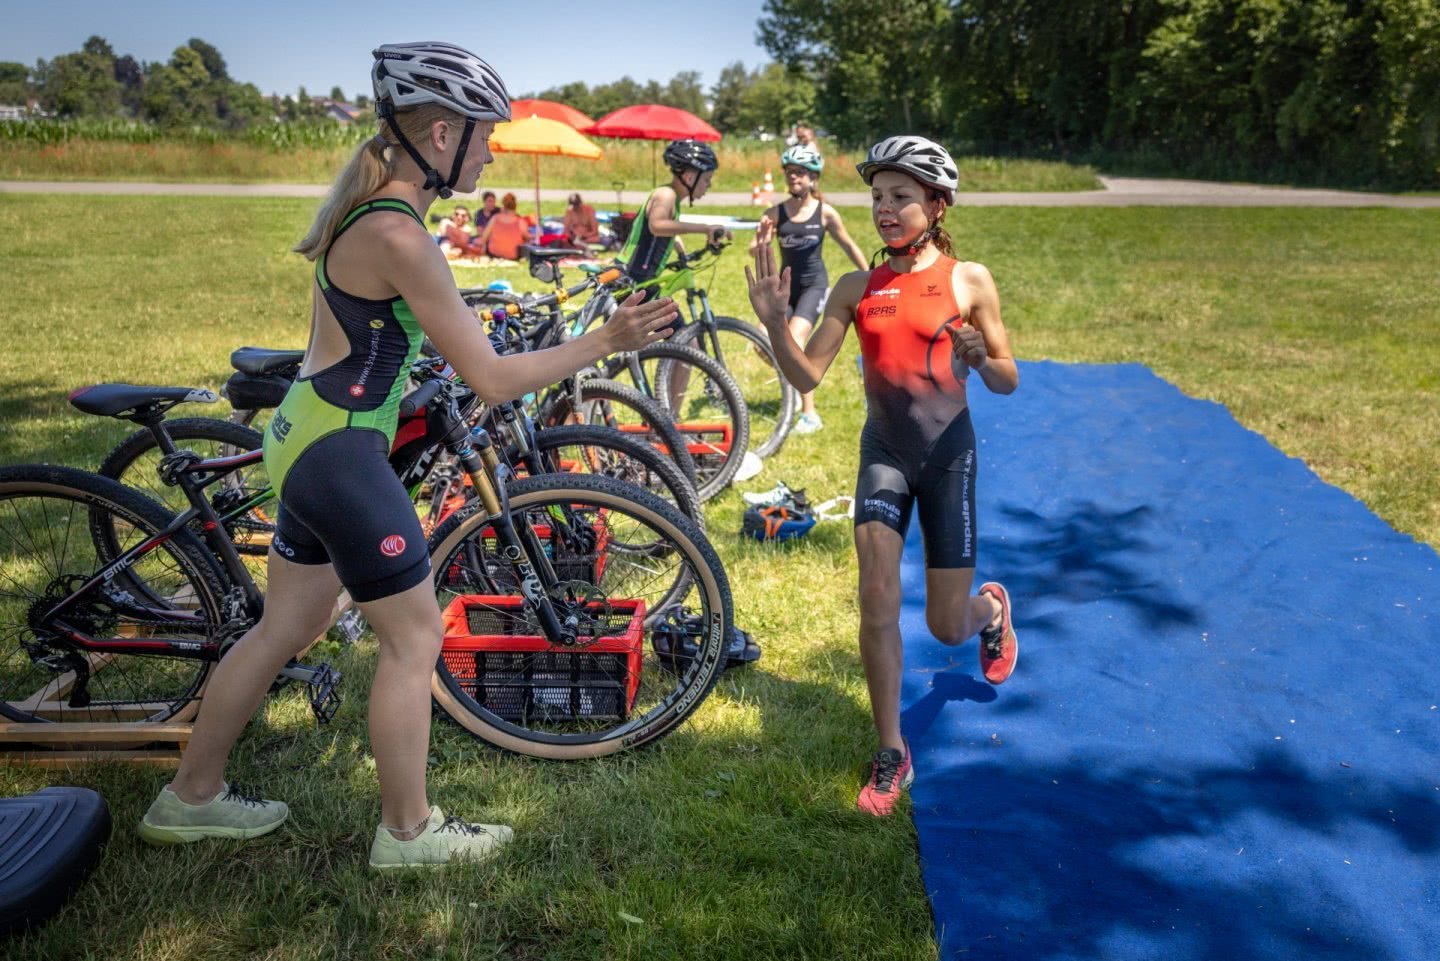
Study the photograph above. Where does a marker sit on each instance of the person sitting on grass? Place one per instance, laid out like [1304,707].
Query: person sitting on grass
[581,227]
[488,209]
[457,238]
[506,232]
[657,225]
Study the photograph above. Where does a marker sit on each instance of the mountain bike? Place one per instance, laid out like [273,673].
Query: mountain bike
[699,394]
[743,349]
[111,607]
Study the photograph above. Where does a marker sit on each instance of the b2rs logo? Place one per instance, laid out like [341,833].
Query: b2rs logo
[882,310]
[280,427]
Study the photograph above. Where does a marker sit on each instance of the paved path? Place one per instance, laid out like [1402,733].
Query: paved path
[1117,192]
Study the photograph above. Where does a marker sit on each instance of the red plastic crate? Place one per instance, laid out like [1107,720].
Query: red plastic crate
[506,665]
[708,443]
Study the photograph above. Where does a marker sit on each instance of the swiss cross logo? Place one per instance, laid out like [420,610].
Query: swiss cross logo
[393,546]
[356,390]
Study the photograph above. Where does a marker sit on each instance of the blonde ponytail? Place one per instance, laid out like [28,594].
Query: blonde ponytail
[371,167]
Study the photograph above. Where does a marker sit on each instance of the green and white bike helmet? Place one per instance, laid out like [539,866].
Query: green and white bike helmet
[802,155]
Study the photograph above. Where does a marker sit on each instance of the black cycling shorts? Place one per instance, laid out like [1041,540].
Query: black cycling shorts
[343,505]
[939,481]
[809,302]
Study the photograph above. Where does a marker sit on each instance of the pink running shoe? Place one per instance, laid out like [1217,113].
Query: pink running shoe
[999,648]
[890,773]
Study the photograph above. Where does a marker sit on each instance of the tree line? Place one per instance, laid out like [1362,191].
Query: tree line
[1337,90]
[192,89]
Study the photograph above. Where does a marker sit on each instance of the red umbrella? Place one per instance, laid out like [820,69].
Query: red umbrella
[550,110]
[651,121]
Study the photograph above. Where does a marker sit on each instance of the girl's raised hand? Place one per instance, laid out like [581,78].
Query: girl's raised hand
[769,287]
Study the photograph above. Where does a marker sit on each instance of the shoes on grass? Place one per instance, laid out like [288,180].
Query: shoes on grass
[233,813]
[444,840]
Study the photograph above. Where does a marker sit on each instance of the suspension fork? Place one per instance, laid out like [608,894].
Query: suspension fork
[520,548]
[706,319]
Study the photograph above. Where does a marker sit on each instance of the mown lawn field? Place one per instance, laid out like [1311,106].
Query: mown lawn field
[735,837]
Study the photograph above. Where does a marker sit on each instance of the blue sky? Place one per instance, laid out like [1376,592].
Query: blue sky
[280,46]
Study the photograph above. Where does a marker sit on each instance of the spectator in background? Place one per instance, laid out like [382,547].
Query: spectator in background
[804,134]
[581,227]
[457,237]
[506,231]
[486,211]
[457,228]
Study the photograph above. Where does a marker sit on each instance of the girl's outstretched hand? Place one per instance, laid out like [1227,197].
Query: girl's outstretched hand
[637,325]
[769,287]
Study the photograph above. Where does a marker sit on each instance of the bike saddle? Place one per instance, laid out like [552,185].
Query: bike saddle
[552,253]
[262,360]
[127,400]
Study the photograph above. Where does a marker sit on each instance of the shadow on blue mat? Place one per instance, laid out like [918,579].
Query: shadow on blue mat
[1222,738]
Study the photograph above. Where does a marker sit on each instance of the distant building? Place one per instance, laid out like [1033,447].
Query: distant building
[26,111]
[339,111]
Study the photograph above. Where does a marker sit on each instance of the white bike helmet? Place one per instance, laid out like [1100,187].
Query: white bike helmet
[923,159]
[409,75]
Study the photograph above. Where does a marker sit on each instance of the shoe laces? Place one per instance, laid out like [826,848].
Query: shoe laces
[459,825]
[235,794]
[887,769]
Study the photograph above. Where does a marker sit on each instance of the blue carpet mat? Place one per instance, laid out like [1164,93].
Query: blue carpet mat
[1222,741]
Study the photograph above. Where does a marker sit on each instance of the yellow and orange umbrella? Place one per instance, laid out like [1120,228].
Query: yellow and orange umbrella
[541,137]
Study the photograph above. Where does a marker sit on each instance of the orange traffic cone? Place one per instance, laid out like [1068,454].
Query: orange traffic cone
[769,189]
[755,200]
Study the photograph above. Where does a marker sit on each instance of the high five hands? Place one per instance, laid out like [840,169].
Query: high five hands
[769,287]
[968,343]
[637,325]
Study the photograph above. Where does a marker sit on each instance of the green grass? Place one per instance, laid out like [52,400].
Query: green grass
[742,163]
[735,837]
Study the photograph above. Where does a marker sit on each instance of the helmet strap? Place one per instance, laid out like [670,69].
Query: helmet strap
[386,110]
[691,183]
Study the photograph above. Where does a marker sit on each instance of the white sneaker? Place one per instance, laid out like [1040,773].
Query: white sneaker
[443,841]
[780,492]
[750,465]
[807,423]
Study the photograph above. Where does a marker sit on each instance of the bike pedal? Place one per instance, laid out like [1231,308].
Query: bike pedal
[351,625]
[323,688]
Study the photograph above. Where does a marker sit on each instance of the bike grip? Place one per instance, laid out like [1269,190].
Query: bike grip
[420,398]
[609,276]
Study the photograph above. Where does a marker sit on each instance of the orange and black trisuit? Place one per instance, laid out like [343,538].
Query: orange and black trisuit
[918,447]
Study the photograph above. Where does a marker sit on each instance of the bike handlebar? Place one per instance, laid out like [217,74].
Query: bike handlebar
[420,398]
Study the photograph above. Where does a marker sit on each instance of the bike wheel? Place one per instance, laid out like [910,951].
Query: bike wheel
[613,404]
[746,353]
[135,462]
[650,649]
[47,553]
[707,407]
[604,451]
